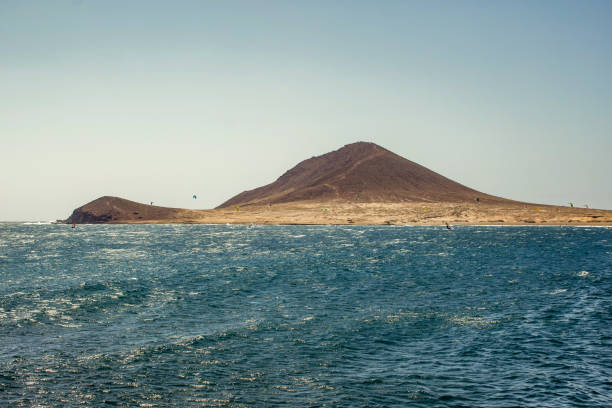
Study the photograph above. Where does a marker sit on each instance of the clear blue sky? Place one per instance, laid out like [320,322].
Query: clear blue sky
[157,101]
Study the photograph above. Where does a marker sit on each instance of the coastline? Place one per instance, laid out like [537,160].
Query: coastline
[343,213]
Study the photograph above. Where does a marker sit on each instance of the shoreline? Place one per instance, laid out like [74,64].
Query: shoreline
[607,225]
[111,210]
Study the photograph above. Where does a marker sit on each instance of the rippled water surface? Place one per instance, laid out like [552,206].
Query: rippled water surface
[186,316]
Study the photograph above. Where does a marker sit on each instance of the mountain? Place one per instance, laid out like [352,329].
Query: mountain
[361,184]
[360,172]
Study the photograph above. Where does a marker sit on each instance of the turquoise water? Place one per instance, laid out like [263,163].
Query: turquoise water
[186,316]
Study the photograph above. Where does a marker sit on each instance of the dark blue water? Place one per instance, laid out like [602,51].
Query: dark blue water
[186,316]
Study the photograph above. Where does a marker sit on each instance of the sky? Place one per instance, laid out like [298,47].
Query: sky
[160,100]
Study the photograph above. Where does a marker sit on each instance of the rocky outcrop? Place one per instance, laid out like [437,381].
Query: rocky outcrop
[80,216]
[109,209]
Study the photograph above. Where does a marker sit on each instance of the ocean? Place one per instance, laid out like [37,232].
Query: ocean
[338,316]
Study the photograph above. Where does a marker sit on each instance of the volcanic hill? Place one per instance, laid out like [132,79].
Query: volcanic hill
[359,172]
[361,183]
[109,209]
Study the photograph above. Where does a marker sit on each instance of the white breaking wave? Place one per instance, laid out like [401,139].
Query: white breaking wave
[583,273]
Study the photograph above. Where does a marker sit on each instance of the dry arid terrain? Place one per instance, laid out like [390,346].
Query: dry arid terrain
[360,172]
[413,213]
[117,210]
[360,183]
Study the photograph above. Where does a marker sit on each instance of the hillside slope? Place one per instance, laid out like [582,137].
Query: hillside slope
[109,209]
[359,172]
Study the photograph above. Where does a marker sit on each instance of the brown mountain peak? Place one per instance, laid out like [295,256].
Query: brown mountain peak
[358,172]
